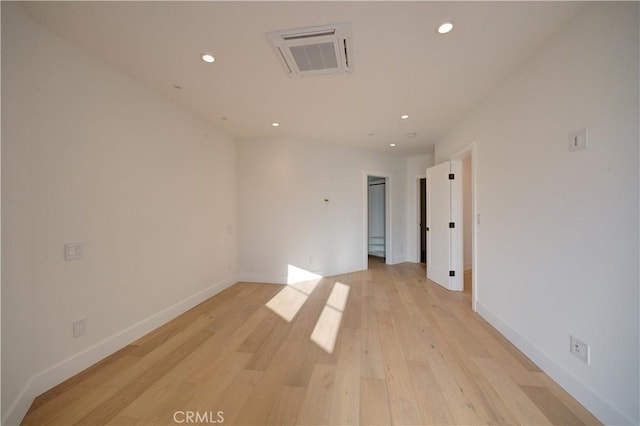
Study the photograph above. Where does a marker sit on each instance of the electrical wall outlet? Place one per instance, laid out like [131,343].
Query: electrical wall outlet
[78,327]
[579,349]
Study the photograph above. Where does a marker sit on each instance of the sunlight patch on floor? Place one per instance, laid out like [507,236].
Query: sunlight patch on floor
[338,297]
[300,284]
[326,330]
[287,303]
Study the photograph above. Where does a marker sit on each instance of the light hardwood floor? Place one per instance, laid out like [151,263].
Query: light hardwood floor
[406,352]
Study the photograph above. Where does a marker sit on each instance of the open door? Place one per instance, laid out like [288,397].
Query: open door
[444,225]
[423,220]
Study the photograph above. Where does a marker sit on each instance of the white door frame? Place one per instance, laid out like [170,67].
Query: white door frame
[471,149]
[387,217]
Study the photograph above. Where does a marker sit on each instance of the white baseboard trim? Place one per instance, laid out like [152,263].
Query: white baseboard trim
[71,366]
[262,278]
[283,279]
[396,260]
[597,405]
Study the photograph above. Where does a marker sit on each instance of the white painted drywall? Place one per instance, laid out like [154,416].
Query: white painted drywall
[282,216]
[467,211]
[89,155]
[558,243]
[416,168]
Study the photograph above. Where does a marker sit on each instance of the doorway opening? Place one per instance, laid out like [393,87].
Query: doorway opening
[377,220]
[467,217]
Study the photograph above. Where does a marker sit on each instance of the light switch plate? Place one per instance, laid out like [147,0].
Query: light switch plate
[578,140]
[72,251]
[78,327]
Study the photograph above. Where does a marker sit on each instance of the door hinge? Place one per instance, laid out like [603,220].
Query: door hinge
[452,176]
[452,273]
[452,224]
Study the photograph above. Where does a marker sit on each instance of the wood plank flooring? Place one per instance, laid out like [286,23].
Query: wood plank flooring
[383,346]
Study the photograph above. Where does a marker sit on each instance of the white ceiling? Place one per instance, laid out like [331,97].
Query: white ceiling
[402,66]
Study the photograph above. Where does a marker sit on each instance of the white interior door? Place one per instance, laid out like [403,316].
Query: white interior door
[444,224]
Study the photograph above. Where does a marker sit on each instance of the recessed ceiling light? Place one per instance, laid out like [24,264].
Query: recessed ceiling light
[177,86]
[412,134]
[392,144]
[274,124]
[370,134]
[404,117]
[208,58]
[445,28]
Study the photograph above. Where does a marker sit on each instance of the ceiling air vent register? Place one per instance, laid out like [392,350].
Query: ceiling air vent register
[324,49]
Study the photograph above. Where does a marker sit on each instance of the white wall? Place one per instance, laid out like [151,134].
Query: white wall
[467,211]
[89,155]
[282,216]
[416,168]
[558,243]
